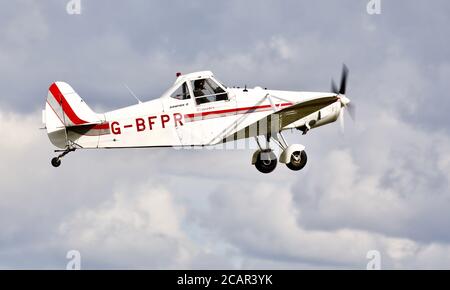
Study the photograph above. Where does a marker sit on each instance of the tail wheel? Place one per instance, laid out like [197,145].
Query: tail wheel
[56,162]
[298,160]
[266,165]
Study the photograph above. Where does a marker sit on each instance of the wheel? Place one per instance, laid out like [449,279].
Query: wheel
[56,162]
[298,160]
[265,166]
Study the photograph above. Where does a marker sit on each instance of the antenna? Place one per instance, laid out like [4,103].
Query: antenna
[131,92]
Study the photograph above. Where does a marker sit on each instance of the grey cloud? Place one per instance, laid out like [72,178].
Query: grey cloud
[388,177]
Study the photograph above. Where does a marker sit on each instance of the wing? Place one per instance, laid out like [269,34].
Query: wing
[276,121]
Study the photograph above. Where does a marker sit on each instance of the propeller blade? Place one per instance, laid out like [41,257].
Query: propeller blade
[351,110]
[341,120]
[334,88]
[345,102]
[343,86]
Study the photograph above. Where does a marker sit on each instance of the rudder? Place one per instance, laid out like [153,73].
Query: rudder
[68,117]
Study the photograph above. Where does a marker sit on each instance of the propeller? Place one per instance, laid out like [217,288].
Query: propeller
[342,88]
[340,93]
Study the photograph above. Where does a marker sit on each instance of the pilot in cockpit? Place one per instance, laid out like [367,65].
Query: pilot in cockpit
[199,87]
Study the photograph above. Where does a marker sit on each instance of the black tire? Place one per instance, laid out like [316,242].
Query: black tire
[297,165]
[265,166]
[56,162]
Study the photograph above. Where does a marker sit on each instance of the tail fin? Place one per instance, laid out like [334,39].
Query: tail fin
[66,111]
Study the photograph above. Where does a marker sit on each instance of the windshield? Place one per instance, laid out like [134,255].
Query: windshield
[182,93]
[207,90]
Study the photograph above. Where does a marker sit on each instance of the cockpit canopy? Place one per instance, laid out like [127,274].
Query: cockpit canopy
[202,86]
[207,90]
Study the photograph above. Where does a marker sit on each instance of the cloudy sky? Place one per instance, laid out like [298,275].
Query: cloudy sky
[383,186]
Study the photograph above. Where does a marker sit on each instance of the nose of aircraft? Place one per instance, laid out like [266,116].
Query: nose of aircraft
[344,100]
[346,104]
[340,93]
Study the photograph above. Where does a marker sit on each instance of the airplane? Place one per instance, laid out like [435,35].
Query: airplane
[197,110]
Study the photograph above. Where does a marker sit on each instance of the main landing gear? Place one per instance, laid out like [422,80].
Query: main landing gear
[265,160]
[298,160]
[56,161]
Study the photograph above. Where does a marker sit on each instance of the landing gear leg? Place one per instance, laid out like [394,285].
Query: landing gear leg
[294,156]
[56,161]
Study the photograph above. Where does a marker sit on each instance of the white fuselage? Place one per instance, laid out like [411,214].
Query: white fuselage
[170,122]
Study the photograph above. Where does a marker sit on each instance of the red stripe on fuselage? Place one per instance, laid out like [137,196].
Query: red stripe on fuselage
[243,109]
[103,126]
